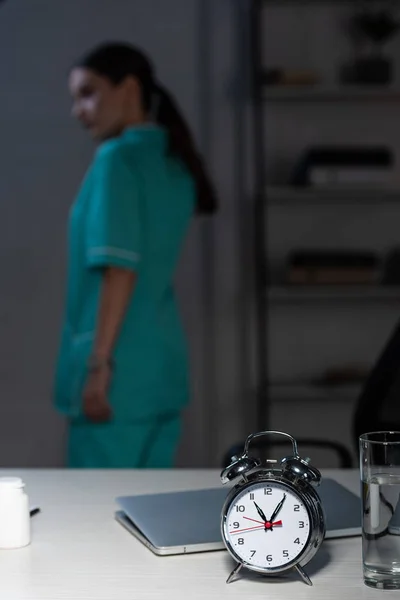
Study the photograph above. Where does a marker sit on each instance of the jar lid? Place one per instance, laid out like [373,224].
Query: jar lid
[11,483]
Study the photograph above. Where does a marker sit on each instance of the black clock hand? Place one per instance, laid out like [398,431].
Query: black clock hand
[260,512]
[277,509]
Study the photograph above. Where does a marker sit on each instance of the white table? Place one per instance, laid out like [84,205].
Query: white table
[79,552]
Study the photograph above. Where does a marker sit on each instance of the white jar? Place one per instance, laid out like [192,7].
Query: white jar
[14,514]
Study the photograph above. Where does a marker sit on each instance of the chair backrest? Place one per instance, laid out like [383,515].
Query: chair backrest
[378,407]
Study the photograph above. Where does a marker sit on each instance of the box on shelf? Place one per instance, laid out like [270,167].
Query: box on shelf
[343,375]
[279,76]
[344,166]
[321,267]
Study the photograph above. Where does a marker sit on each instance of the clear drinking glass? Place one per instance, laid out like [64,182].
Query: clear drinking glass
[380,493]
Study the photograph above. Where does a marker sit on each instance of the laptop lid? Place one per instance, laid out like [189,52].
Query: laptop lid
[189,521]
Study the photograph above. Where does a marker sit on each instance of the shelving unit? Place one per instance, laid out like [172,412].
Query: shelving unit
[327,293]
[277,195]
[260,181]
[320,93]
[300,392]
[277,296]
[282,2]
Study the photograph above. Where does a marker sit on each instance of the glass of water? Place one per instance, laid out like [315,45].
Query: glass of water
[380,490]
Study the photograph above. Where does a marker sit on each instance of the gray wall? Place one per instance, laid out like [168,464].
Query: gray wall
[44,156]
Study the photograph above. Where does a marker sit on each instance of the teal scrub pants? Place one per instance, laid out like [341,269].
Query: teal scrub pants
[143,445]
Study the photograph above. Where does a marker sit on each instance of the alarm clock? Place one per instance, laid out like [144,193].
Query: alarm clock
[272,519]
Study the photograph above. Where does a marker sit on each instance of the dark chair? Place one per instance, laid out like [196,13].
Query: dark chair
[343,454]
[378,407]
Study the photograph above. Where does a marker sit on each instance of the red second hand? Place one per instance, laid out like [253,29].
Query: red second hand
[275,524]
[248,529]
[255,521]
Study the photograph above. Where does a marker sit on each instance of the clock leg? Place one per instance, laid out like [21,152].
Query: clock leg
[303,575]
[234,573]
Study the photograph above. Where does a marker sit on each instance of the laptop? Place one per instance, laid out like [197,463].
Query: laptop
[189,521]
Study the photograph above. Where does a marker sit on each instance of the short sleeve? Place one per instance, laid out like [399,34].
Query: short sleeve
[114,228]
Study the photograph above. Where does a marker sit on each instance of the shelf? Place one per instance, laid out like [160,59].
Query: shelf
[301,2]
[310,392]
[287,294]
[277,195]
[319,93]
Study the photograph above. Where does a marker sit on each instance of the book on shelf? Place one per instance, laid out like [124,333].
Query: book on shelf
[332,267]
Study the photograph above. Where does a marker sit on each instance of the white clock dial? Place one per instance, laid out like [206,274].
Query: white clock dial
[267,525]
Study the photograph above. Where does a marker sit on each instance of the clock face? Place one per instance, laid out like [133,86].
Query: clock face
[267,525]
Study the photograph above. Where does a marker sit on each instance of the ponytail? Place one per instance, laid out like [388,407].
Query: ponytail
[182,146]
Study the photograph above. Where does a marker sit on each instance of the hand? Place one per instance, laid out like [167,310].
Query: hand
[95,402]
[260,512]
[277,509]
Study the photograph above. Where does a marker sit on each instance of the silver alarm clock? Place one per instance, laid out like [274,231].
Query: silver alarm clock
[272,519]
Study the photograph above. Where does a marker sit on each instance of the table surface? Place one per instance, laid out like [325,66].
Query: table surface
[79,551]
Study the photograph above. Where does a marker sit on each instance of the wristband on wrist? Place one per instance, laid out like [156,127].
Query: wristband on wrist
[97,363]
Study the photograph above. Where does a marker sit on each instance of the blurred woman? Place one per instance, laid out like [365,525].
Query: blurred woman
[123,377]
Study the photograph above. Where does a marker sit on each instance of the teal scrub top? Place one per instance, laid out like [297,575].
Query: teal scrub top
[133,211]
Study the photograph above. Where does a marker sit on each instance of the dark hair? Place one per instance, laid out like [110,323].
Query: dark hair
[117,61]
